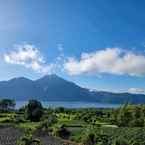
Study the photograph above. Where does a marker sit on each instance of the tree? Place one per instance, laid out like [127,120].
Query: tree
[138,117]
[34,110]
[7,104]
[124,116]
[130,116]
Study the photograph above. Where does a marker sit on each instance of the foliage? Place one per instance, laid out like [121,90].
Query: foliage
[88,137]
[34,110]
[61,131]
[28,140]
[130,116]
[7,104]
[91,126]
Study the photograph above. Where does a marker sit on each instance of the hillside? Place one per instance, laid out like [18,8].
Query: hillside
[54,88]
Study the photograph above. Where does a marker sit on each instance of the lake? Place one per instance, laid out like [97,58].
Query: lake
[70,104]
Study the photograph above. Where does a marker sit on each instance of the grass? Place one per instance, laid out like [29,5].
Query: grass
[7,117]
[65,117]
[75,126]
[10,118]
[29,125]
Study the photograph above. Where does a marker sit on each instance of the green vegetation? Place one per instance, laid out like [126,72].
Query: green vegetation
[28,140]
[34,111]
[121,126]
[7,104]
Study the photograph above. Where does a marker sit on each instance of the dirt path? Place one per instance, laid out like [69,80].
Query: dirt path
[50,140]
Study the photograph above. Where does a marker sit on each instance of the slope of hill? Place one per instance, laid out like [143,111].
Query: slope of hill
[54,88]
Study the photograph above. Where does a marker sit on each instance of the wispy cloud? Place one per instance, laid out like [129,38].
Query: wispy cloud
[29,56]
[136,91]
[110,60]
[60,47]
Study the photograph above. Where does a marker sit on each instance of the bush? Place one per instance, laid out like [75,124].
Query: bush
[121,141]
[61,131]
[7,120]
[88,137]
[34,111]
[28,140]
[19,119]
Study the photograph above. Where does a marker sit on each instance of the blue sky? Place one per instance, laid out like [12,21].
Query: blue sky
[78,40]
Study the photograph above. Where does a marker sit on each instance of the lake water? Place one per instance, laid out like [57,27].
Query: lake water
[70,104]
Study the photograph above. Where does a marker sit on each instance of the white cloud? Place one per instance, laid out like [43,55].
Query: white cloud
[29,56]
[60,47]
[110,60]
[136,91]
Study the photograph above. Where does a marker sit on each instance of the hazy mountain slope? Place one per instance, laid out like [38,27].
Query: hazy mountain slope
[20,88]
[108,97]
[54,88]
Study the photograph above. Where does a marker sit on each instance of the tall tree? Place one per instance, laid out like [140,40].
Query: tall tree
[34,110]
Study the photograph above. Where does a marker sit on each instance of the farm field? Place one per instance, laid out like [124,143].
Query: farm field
[90,126]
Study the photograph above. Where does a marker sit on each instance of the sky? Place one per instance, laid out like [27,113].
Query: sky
[98,44]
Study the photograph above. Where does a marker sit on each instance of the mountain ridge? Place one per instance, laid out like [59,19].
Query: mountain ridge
[55,88]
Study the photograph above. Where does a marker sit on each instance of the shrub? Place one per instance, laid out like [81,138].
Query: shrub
[28,140]
[19,119]
[121,141]
[88,137]
[34,110]
[61,131]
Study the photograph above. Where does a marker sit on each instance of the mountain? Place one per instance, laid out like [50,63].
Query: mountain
[118,98]
[19,89]
[54,88]
[50,87]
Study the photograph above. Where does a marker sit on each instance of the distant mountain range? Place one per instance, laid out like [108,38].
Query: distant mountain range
[54,88]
